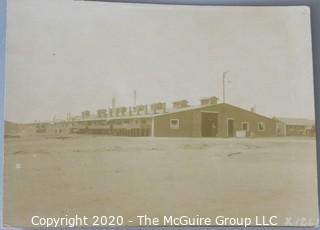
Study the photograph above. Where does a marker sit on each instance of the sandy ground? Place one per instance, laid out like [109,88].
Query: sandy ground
[102,175]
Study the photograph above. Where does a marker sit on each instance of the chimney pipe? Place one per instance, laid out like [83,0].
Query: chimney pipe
[134,97]
[113,105]
[145,109]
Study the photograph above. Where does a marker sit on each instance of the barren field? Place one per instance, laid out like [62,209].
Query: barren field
[102,175]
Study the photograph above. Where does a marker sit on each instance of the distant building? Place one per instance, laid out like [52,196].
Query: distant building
[294,126]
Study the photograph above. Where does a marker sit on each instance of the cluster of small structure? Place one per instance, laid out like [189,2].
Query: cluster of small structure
[209,119]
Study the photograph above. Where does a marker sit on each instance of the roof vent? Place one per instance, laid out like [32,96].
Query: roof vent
[85,114]
[158,107]
[209,100]
[180,104]
[102,113]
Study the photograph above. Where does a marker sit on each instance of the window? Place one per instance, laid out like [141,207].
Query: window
[261,126]
[174,124]
[245,126]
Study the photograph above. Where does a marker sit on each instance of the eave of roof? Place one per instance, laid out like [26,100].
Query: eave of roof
[209,106]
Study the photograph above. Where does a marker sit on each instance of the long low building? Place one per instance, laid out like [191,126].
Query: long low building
[206,120]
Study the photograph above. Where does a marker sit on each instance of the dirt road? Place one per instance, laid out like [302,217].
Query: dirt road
[102,175]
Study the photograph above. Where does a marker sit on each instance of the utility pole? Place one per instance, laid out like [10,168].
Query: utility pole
[224,75]
[113,102]
[134,97]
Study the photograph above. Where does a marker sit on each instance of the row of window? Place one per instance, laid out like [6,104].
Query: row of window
[175,124]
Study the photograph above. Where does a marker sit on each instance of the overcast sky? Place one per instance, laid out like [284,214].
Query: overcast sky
[68,56]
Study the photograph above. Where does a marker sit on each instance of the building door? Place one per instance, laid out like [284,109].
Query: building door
[209,124]
[230,127]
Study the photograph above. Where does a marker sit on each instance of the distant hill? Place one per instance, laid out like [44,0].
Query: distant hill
[11,127]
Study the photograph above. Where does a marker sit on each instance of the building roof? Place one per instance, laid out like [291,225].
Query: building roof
[296,121]
[190,108]
[170,111]
[94,117]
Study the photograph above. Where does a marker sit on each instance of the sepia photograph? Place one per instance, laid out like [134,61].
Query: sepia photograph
[124,114]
